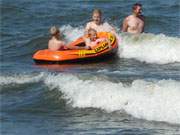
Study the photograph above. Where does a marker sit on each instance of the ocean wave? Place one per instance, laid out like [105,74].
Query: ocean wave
[150,100]
[20,79]
[149,48]
[157,101]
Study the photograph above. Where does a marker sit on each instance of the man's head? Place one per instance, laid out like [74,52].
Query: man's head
[96,16]
[137,9]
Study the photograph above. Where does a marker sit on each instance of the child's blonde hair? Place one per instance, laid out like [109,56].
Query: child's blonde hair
[91,29]
[54,30]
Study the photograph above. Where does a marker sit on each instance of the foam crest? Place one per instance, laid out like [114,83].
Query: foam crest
[151,48]
[20,79]
[158,101]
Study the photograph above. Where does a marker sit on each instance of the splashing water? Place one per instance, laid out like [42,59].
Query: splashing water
[150,48]
[158,100]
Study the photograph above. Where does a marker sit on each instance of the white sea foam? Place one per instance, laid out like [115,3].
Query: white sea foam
[150,48]
[72,33]
[158,101]
[20,79]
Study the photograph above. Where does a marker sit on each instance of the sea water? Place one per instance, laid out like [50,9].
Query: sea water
[136,92]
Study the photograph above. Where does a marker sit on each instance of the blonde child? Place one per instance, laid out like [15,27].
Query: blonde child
[93,39]
[55,43]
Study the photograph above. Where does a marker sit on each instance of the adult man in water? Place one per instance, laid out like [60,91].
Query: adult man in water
[134,23]
[97,23]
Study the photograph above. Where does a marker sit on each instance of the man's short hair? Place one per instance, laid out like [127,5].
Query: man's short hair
[136,5]
[97,11]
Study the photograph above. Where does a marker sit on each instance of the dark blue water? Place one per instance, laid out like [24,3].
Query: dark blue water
[136,92]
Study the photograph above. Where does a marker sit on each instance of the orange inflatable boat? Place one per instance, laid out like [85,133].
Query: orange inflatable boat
[101,50]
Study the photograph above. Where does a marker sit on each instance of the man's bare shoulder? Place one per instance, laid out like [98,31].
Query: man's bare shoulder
[90,23]
[128,18]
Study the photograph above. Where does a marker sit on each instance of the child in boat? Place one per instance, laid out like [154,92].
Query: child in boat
[93,40]
[55,43]
[100,26]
